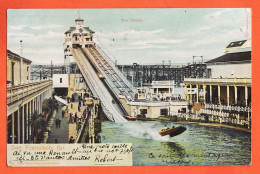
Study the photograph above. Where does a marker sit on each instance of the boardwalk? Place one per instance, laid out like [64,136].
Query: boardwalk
[61,134]
[72,127]
[66,129]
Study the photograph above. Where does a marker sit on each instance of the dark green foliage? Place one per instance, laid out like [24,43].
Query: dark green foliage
[38,122]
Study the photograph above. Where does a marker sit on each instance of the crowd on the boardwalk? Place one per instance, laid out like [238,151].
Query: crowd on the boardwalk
[73,116]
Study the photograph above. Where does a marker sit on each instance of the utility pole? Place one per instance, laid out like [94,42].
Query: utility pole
[51,69]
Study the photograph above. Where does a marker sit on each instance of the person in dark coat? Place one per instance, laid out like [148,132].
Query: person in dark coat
[70,120]
[59,122]
[79,108]
[71,140]
[84,113]
[56,122]
[63,113]
[75,118]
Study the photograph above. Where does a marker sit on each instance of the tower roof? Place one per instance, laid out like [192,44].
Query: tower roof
[79,19]
[74,28]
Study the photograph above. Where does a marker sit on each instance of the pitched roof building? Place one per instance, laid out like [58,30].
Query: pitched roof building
[227,89]
[234,64]
[18,69]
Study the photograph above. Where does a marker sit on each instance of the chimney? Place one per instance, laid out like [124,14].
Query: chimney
[21,48]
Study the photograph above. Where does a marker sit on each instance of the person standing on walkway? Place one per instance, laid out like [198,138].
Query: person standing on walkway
[56,122]
[62,113]
[59,122]
[79,126]
[89,112]
[75,118]
[71,139]
[84,113]
[70,120]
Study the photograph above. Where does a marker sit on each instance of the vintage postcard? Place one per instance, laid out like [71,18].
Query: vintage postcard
[129,87]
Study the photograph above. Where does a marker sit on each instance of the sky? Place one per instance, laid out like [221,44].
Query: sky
[143,36]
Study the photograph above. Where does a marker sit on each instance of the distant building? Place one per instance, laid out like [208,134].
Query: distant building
[79,35]
[157,99]
[166,87]
[77,87]
[236,63]
[154,109]
[142,74]
[18,69]
[227,90]
[61,84]
[24,98]
[160,89]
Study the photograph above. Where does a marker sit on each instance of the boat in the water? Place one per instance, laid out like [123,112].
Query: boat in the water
[130,118]
[174,131]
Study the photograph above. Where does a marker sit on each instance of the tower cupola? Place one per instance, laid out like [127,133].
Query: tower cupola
[79,22]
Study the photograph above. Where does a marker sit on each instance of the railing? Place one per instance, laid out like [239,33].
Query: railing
[163,83]
[231,108]
[170,64]
[219,80]
[19,92]
[111,63]
[79,132]
[82,41]
[223,116]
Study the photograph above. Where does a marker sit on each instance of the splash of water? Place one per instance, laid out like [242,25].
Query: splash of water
[145,130]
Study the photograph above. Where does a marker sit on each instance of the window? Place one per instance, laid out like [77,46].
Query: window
[60,80]
[76,79]
[27,72]
[81,79]
[164,111]
[209,73]
[143,111]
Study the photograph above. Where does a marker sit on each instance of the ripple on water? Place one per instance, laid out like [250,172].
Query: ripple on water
[193,145]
